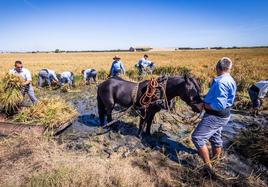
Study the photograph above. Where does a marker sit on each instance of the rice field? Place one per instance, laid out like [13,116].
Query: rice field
[252,63]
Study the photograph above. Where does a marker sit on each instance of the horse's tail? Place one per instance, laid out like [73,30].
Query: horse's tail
[101,110]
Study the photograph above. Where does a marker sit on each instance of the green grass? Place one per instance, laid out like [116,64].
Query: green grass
[253,143]
[57,177]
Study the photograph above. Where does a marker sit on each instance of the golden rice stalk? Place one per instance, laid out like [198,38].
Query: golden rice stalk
[242,102]
[10,93]
[64,88]
[51,112]
[253,143]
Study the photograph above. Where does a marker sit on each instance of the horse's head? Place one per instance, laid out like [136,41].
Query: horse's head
[192,93]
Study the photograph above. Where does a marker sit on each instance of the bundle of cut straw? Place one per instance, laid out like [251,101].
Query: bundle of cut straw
[49,112]
[10,93]
[65,88]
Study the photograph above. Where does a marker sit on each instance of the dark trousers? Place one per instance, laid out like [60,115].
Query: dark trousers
[253,94]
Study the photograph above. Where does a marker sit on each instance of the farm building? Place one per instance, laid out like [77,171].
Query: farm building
[140,48]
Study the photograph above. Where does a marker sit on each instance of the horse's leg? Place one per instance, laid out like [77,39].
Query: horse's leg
[149,123]
[101,110]
[109,108]
[141,126]
[109,115]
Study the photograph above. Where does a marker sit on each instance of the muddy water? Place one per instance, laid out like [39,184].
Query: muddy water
[168,137]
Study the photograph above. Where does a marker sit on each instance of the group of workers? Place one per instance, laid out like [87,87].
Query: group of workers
[48,77]
[217,102]
[144,65]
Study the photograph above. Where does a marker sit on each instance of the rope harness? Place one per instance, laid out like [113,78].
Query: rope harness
[147,97]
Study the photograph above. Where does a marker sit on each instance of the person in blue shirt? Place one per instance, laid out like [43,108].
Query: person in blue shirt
[117,67]
[88,74]
[47,76]
[145,64]
[67,77]
[256,93]
[217,104]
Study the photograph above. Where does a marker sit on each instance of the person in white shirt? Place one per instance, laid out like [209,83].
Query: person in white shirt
[88,74]
[27,87]
[67,77]
[46,76]
[256,93]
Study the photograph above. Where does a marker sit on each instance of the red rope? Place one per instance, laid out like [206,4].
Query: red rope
[146,98]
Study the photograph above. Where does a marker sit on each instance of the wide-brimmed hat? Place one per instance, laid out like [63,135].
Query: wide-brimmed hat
[116,57]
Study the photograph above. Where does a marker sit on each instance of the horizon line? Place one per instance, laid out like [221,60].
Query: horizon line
[125,50]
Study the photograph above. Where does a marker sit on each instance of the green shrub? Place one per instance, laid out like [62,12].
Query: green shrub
[102,75]
[171,71]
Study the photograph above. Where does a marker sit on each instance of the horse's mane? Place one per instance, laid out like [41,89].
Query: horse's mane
[115,77]
[121,79]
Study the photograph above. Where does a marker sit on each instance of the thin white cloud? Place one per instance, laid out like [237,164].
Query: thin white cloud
[31,5]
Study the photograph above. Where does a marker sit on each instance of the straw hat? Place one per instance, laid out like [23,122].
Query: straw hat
[116,57]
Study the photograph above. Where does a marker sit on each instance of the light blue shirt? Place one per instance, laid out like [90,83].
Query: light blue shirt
[52,75]
[86,73]
[24,73]
[263,86]
[116,65]
[144,62]
[67,75]
[221,93]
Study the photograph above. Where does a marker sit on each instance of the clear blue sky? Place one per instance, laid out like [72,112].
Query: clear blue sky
[114,24]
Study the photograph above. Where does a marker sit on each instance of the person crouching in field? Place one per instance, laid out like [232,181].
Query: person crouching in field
[256,93]
[117,67]
[27,77]
[46,77]
[145,65]
[89,74]
[217,104]
[67,77]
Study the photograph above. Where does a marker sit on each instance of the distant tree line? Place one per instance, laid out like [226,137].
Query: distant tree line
[218,48]
[127,50]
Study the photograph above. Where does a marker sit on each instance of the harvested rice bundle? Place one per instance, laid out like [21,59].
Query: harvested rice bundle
[64,88]
[10,93]
[49,112]
[242,102]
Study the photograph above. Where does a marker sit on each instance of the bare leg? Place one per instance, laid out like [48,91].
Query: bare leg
[216,152]
[204,154]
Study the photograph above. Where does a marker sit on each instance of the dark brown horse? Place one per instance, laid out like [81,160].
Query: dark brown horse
[118,91]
